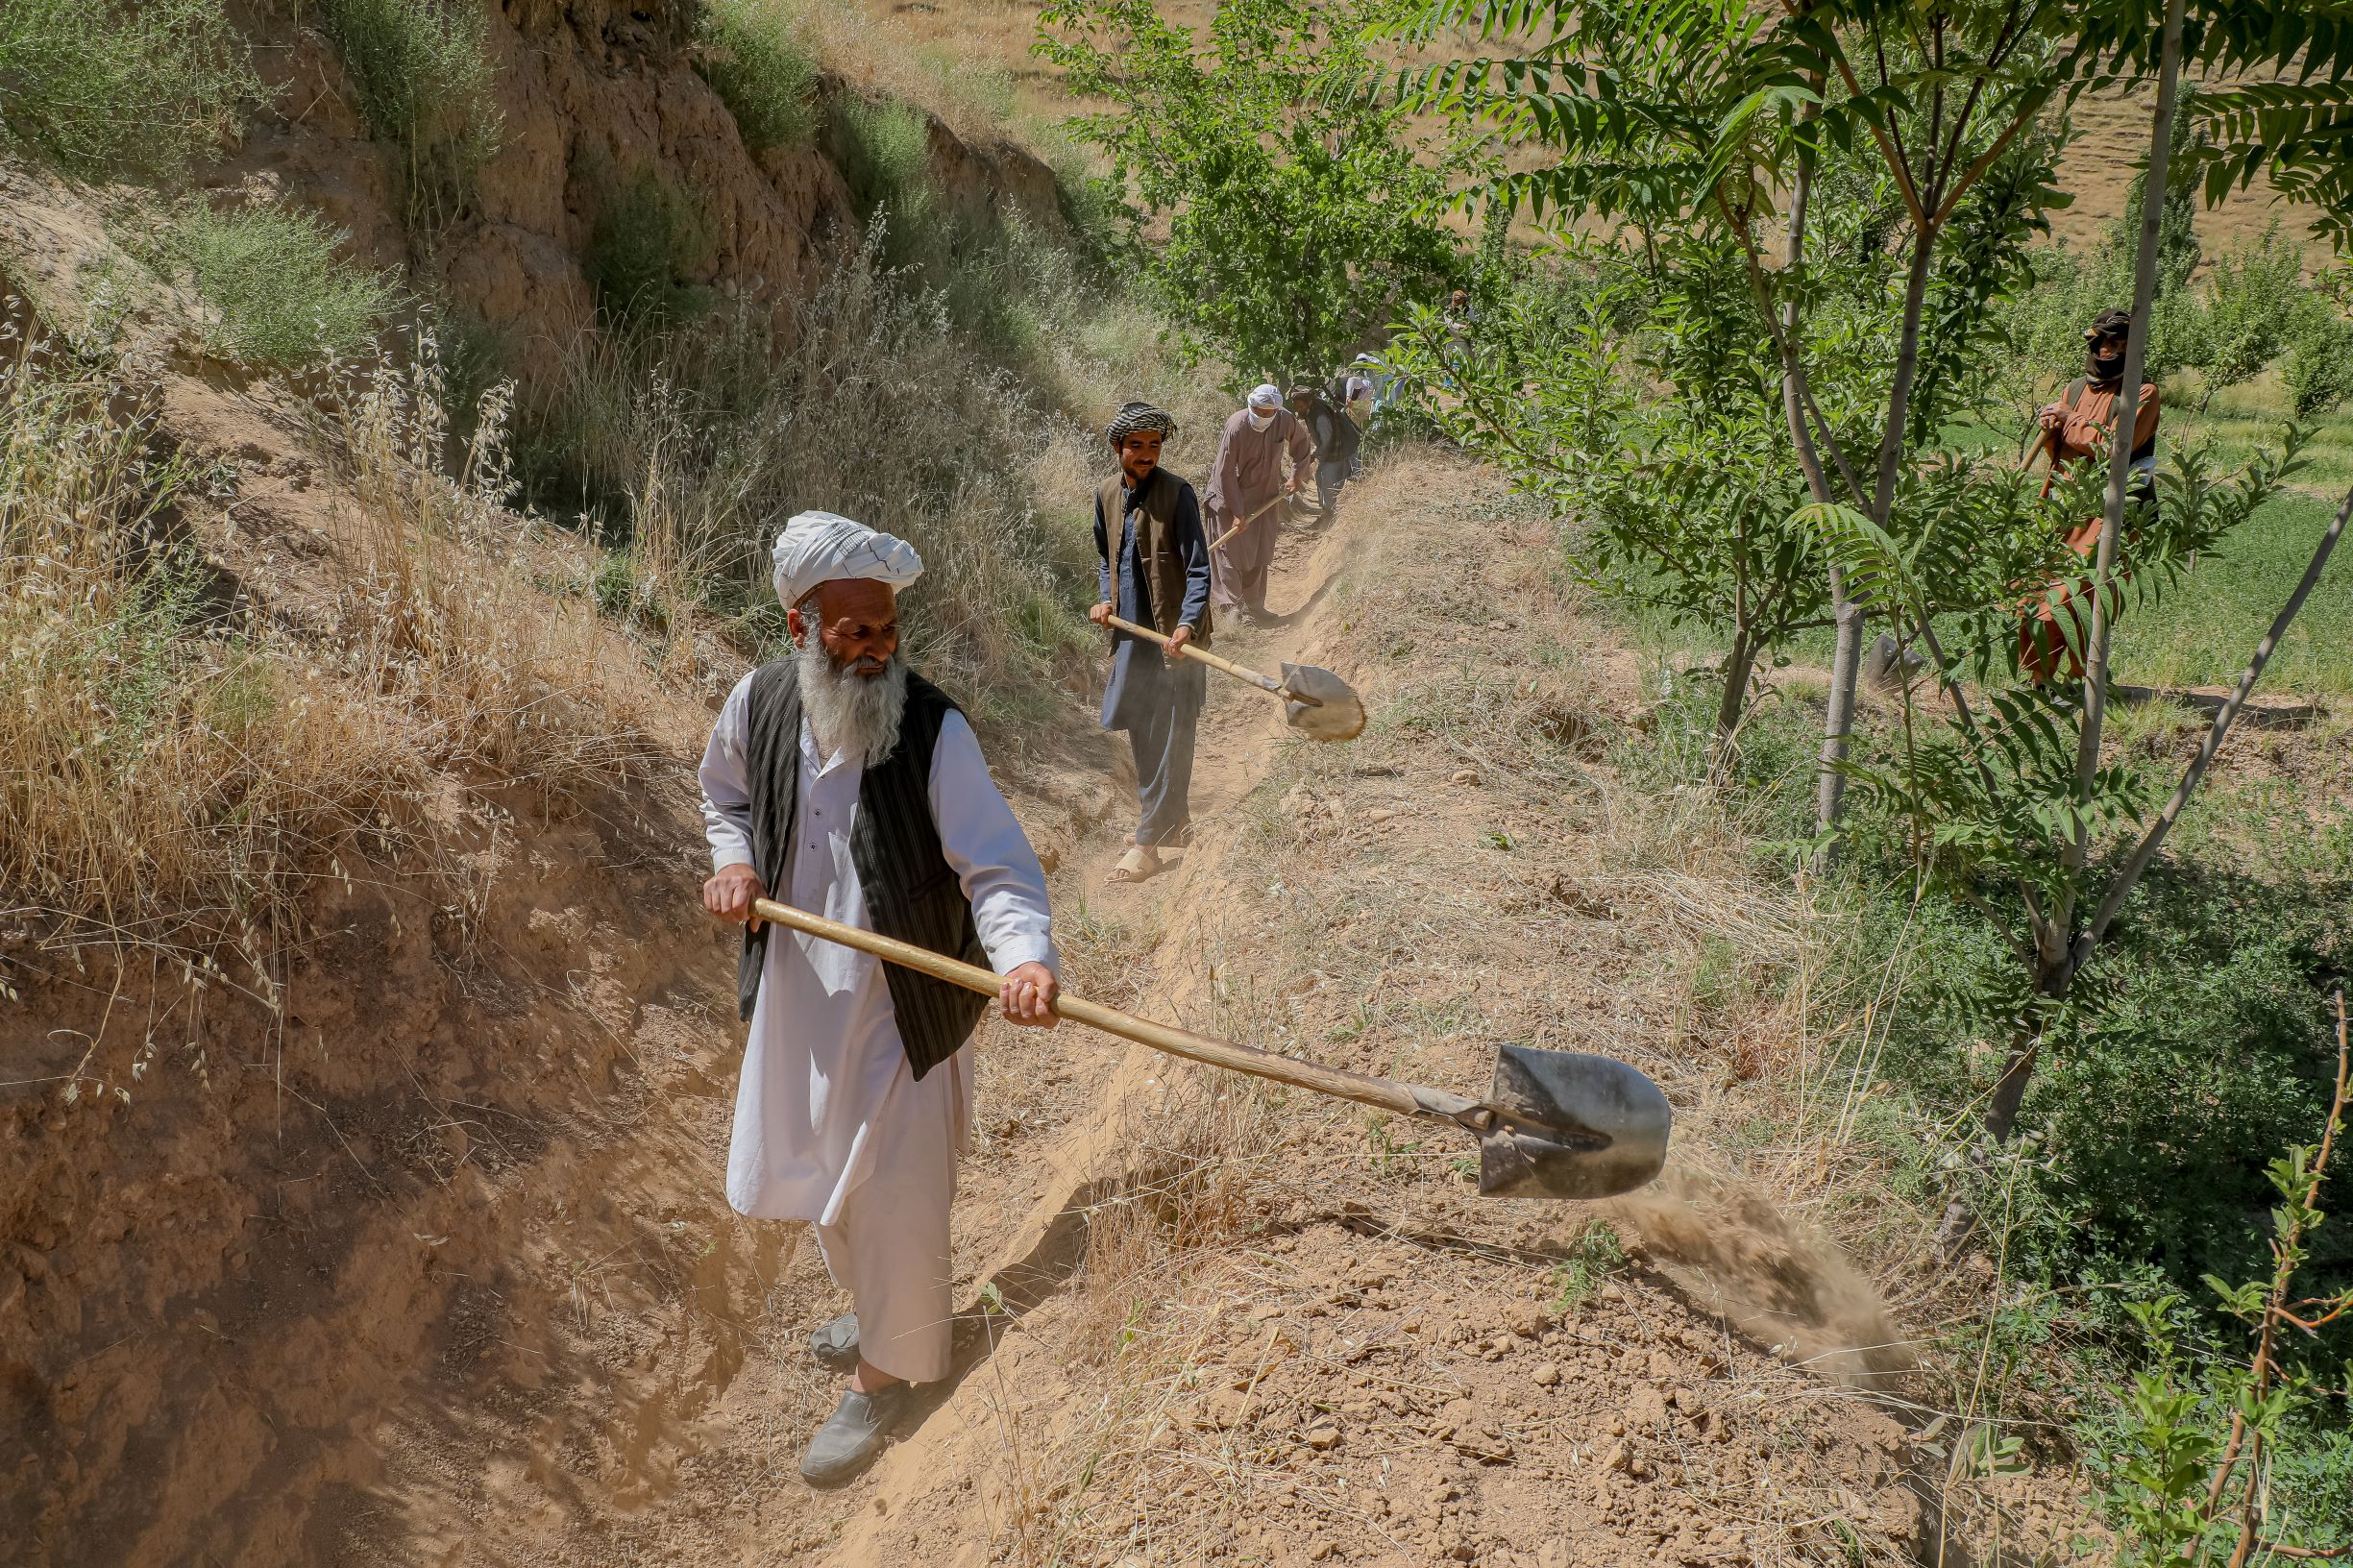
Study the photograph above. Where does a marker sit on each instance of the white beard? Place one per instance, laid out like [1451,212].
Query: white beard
[853,715]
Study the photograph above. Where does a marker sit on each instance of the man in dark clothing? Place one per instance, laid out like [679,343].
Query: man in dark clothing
[1155,571]
[1336,448]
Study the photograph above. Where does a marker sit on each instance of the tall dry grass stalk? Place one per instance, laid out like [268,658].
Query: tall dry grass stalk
[444,615]
[162,773]
[872,406]
[175,770]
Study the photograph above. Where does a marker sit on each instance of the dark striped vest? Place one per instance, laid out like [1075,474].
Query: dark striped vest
[911,891]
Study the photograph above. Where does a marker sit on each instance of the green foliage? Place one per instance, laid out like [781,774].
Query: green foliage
[1302,217]
[1644,404]
[2191,1463]
[2253,308]
[111,88]
[2318,374]
[886,158]
[2194,1047]
[755,61]
[428,85]
[1999,793]
[277,296]
[1596,1255]
[649,252]
[2254,300]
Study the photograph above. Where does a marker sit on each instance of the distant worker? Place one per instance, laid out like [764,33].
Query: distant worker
[2075,427]
[1154,571]
[1361,390]
[843,783]
[1245,482]
[1336,448]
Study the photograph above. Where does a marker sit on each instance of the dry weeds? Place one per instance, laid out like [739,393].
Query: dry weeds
[181,769]
[166,775]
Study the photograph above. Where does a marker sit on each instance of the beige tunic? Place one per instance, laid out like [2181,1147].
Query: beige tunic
[1248,474]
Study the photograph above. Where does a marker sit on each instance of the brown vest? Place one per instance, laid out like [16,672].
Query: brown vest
[1164,567]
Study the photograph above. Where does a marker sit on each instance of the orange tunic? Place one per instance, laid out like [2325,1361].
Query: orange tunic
[2086,414]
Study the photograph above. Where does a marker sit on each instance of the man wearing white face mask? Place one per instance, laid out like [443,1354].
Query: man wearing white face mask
[1246,476]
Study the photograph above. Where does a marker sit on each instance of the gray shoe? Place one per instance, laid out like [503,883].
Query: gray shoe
[853,1436]
[835,1344]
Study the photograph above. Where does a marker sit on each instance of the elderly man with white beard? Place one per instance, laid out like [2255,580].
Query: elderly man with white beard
[856,789]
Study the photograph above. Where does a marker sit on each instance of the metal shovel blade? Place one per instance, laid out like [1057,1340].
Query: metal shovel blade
[1570,1126]
[1321,705]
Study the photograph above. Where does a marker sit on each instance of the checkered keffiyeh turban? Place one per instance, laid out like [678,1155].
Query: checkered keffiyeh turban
[1139,416]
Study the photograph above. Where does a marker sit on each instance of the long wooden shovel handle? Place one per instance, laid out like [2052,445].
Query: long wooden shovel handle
[1406,1099]
[1239,672]
[1226,538]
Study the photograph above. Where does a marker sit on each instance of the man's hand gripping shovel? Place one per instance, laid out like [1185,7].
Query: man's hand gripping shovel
[1554,1124]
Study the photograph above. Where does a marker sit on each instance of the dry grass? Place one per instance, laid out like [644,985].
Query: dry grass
[874,403]
[444,614]
[178,771]
[165,775]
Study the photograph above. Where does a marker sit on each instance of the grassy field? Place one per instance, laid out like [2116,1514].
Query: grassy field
[2204,630]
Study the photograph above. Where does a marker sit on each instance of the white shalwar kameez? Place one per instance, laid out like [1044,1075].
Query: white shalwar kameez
[831,1124]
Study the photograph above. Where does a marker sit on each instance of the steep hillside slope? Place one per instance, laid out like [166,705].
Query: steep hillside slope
[590,97]
[313,1197]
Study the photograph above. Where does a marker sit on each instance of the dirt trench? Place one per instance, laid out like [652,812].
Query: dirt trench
[435,1268]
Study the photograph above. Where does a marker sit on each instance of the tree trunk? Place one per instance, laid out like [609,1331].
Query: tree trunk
[1847,663]
[1738,665]
[2053,975]
[2127,417]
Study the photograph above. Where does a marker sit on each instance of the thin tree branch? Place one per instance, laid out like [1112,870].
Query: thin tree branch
[1985,161]
[1793,368]
[1887,149]
[2126,425]
[2146,849]
[2289,1250]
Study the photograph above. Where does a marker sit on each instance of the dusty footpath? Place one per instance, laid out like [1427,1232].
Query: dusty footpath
[430,1265]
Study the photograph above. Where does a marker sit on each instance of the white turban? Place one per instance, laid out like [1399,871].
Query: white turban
[1264,395]
[819,546]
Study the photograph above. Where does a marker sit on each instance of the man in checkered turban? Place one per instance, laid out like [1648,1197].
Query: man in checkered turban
[1155,571]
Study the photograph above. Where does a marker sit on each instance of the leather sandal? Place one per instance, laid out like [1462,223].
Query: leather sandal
[1136,865]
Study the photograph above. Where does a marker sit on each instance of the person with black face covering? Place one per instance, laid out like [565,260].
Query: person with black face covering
[2077,427]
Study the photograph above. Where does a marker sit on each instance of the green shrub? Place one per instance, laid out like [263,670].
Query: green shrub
[2192,1054]
[1102,229]
[2255,299]
[107,88]
[426,83]
[2320,371]
[754,60]
[278,296]
[886,156]
[650,248]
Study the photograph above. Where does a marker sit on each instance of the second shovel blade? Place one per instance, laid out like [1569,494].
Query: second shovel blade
[1570,1126]
[1321,705]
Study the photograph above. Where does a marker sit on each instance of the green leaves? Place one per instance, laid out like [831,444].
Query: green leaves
[1302,214]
